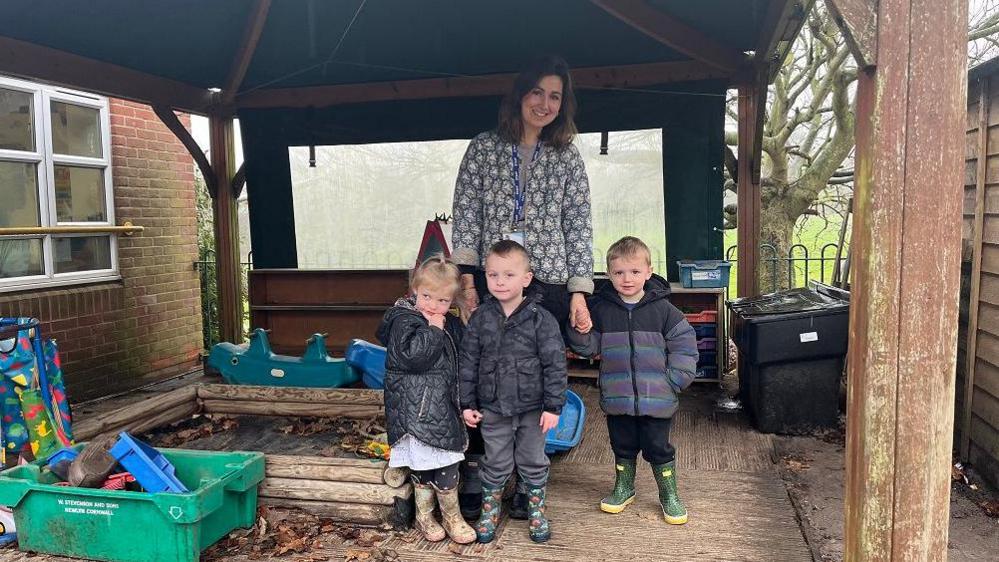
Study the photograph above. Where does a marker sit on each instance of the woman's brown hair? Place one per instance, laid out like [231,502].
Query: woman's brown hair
[560,132]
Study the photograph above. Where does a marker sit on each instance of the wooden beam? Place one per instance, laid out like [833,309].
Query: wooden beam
[624,76]
[44,64]
[673,33]
[169,118]
[858,20]
[911,112]
[239,180]
[780,27]
[253,393]
[982,146]
[226,223]
[247,46]
[748,192]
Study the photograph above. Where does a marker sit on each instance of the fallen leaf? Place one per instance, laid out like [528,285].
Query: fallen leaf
[455,548]
[991,507]
[356,554]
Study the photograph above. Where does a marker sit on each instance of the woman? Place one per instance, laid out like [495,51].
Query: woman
[526,181]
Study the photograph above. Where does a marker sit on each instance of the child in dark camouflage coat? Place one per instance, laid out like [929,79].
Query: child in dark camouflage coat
[513,380]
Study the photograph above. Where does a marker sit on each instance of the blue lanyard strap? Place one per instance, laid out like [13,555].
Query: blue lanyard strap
[519,193]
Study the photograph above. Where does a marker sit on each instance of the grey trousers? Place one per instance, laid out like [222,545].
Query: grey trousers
[513,440]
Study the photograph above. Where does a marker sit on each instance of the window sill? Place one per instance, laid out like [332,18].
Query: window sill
[38,284]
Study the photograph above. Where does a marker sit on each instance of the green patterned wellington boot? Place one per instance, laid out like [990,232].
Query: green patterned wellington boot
[673,509]
[537,523]
[624,487]
[492,501]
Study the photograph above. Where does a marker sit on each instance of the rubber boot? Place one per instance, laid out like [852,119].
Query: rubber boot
[537,523]
[425,522]
[492,502]
[518,505]
[624,487]
[459,531]
[669,498]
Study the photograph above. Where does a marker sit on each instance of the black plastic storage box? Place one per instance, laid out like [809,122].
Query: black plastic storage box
[791,350]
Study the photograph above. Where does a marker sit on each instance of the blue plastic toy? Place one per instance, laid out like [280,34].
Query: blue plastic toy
[147,465]
[256,364]
[369,359]
[569,430]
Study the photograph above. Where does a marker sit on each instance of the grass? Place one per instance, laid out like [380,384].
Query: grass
[813,233]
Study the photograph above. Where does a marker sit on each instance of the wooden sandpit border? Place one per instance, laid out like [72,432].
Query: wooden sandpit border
[358,491]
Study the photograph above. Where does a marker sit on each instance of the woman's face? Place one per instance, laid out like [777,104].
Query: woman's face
[540,106]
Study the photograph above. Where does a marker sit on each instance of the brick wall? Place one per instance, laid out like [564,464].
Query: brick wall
[146,327]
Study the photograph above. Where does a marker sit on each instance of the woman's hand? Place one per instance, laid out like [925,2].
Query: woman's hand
[548,421]
[579,314]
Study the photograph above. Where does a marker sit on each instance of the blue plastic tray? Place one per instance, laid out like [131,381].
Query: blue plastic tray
[369,360]
[705,330]
[569,430]
[149,467]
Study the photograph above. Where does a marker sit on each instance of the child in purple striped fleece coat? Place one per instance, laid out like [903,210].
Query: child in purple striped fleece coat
[648,355]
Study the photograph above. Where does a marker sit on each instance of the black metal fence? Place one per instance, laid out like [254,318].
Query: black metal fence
[797,267]
[210,296]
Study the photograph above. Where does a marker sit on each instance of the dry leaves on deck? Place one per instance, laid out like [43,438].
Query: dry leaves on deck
[205,426]
[291,533]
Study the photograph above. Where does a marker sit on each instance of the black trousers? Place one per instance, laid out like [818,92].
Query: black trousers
[445,478]
[630,435]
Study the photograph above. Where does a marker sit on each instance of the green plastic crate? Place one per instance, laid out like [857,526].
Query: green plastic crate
[135,526]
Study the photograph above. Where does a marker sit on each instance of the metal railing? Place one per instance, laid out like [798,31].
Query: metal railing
[799,265]
[209,295]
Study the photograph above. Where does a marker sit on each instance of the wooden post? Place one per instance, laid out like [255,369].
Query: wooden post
[907,251]
[981,170]
[227,267]
[748,239]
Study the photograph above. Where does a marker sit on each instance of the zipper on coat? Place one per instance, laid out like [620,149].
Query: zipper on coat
[423,403]
[631,357]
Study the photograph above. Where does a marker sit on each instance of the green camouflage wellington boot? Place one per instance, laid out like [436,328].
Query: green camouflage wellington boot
[537,523]
[624,487]
[492,502]
[673,509]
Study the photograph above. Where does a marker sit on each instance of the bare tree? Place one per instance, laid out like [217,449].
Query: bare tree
[808,133]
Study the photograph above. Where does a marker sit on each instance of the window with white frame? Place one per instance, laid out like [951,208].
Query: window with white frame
[55,171]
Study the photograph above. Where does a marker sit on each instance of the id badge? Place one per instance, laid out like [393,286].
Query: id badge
[517,236]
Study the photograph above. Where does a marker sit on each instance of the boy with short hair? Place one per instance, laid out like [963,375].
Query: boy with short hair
[513,382]
[648,354]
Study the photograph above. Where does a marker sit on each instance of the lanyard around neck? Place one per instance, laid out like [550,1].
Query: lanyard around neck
[519,193]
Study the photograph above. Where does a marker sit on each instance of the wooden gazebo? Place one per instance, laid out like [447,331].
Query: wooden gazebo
[302,72]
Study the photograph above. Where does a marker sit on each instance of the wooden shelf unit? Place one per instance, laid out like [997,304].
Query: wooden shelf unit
[705,299]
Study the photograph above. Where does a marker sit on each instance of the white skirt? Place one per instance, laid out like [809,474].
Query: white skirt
[417,455]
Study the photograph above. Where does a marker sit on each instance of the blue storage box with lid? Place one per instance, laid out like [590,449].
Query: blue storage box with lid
[369,359]
[704,273]
[569,430]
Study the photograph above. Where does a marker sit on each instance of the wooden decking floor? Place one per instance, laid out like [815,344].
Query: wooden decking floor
[739,507]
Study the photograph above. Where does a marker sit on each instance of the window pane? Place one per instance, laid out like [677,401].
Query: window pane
[16,130]
[18,194]
[79,194]
[76,130]
[20,257]
[82,253]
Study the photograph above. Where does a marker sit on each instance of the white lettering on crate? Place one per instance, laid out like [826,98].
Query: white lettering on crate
[87,507]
